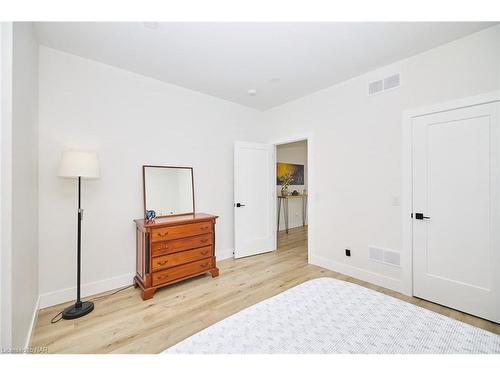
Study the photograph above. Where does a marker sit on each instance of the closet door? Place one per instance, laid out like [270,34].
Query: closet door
[456,209]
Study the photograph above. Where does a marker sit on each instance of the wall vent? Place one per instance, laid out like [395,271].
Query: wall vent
[376,254]
[392,257]
[391,82]
[375,87]
[386,256]
[386,83]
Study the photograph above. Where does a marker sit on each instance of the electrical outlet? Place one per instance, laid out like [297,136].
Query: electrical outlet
[347,252]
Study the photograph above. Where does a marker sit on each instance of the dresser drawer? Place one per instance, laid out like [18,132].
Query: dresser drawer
[172,260]
[180,231]
[174,273]
[174,246]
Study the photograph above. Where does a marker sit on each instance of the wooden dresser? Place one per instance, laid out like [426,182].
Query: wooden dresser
[171,249]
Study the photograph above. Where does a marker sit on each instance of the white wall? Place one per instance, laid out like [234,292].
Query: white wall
[357,149]
[24,182]
[20,185]
[294,153]
[130,120]
[5,184]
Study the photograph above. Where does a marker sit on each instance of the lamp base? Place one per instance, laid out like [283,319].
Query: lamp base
[74,312]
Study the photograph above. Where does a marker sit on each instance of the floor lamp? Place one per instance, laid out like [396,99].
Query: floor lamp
[79,165]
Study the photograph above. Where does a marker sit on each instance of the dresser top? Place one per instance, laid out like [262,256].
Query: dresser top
[174,220]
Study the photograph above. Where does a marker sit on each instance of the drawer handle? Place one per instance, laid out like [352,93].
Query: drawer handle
[203,265]
[162,234]
[204,252]
[162,277]
[162,263]
[204,240]
[204,227]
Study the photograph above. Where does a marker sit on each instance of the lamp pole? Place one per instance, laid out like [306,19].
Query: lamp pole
[80,308]
[78,303]
[79,165]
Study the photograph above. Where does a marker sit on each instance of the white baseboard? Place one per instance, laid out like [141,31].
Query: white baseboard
[291,225]
[224,254]
[66,295]
[359,273]
[34,319]
[88,289]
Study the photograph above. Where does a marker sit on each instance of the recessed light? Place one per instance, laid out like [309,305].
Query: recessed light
[252,92]
[151,25]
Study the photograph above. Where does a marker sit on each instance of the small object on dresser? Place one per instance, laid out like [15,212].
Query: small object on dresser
[295,193]
[150,215]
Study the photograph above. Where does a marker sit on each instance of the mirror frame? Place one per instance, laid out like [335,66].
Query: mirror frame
[166,166]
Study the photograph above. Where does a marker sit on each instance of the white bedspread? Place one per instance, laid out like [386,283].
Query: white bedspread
[327,315]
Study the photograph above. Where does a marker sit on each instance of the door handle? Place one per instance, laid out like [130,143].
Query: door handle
[240,205]
[420,216]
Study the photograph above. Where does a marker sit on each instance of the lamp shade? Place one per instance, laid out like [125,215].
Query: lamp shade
[79,164]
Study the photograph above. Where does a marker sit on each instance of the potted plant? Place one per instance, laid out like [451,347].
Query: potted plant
[286,180]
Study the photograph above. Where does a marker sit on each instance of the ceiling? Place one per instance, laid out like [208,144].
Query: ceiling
[280,61]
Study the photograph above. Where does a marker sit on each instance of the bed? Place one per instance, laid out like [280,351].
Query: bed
[327,315]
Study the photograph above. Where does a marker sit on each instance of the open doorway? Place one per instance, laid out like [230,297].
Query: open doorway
[292,197]
[258,194]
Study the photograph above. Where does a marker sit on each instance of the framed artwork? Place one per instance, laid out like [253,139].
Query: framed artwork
[295,170]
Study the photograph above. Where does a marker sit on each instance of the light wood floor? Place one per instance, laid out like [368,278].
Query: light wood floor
[123,323]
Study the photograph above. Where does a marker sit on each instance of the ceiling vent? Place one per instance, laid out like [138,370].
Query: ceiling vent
[386,83]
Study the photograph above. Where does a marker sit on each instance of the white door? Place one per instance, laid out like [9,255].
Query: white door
[456,209]
[254,198]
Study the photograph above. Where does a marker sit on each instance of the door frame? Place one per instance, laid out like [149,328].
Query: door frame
[407,172]
[311,188]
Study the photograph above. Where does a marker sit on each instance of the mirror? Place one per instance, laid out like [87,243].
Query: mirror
[168,190]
